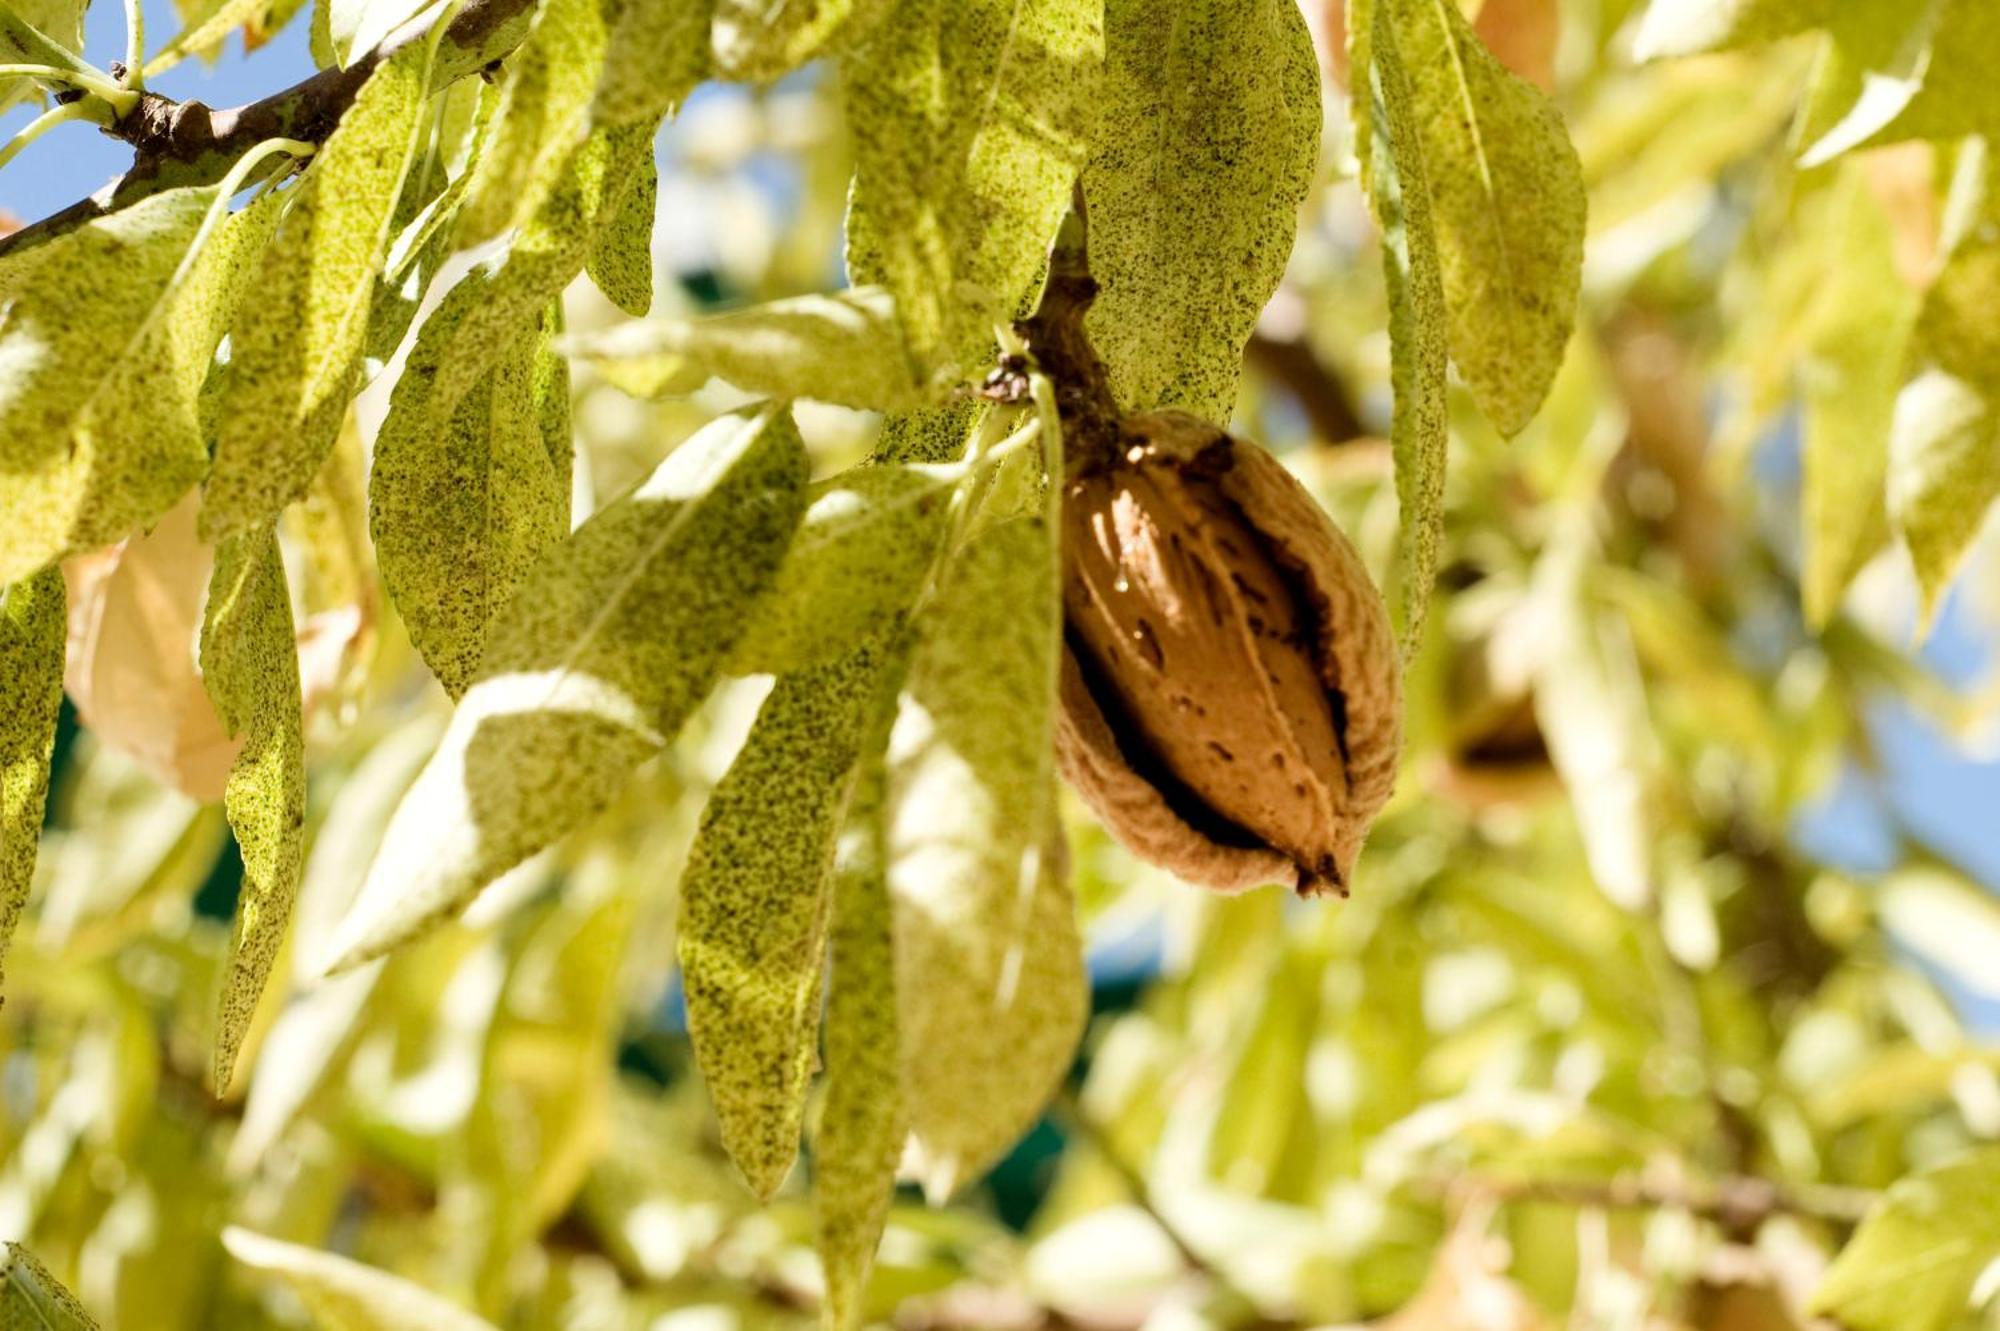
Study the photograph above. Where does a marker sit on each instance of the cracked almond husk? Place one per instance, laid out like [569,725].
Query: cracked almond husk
[1231,703]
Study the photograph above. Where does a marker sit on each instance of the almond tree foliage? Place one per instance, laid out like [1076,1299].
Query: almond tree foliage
[554,816]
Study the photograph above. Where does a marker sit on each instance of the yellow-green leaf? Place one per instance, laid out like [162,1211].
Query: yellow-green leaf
[1944,472]
[1419,425]
[754,907]
[344,1295]
[250,665]
[1685,27]
[866,545]
[621,257]
[989,969]
[844,347]
[459,517]
[32,628]
[971,120]
[1873,66]
[1913,1263]
[762,40]
[658,52]
[105,339]
[297,344]
[861,1123]
[1507,202]
[616,635]
[1211,115]
[1854,362]
[33,1300]
[54,22]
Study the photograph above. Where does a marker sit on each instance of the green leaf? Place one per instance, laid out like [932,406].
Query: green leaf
[548,89]
[989,967]
[32,631]
[621,258]
[760,41]
[1854,362]
[844,347]
[250,666]
[344,1295]
[1212,112]
[754,907]
[1686,27]
[57,22]
[1873,66]
[205,34]
[459,517]
[106,336]
[861,1123]
[1957,328]
[1419,425]
[971,119]
[297,348]
[33,1300]
[1507,202]
[1912,1264]
[616,635]
[657,54]
[867,543]
[1944,473]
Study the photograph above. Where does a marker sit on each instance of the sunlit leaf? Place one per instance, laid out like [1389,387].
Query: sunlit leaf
[656,56]
[105,339]
[866,544]
[762,40]
[31,661]
[989,969]
[861,1124]
[965,151]
[60,21]
[754,909]
[344,1295]
[1864,314]
[621,258]
[1944,472]
[1400,193]
[33,1300]
[1192,217]
[615,636]
[1683,27]
[844,347]
[296,349]
[460,516]
[1912,1264]
[251,669]
[1872,67]
[1507,202]
[358,26]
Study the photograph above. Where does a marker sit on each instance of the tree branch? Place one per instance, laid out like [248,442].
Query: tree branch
[187,143]
[1320,394]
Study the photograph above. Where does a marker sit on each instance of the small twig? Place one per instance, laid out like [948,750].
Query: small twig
[1061,349]
[1736,1203]
[1318,391]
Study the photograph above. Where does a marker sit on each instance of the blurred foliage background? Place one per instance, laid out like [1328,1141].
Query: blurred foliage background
[1642,999]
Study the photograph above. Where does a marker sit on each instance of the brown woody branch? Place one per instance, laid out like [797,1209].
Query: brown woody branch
[1293,365]
[187,143]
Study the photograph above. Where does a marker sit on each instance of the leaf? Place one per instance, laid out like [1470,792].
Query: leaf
[460,516]
[613,639]
[1419,425]
[754,907]
[657,54]
[1854,361]
[134,613]
[1956,327]
[1507,202]
[106,335]
[31,661]
[1944,473]
[1876,55]
[33,1300]
[344,1295]
[355,27]
[1945,920]
[862,1123]
[1687,27]
[1912,1264]
[760,41]
[843,347]
[621,258]
[58,21]
[251,668]
[971,119]
[868,540]
[989,968]
[549,84]
[1212,109]
[203,36]
[297,349]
